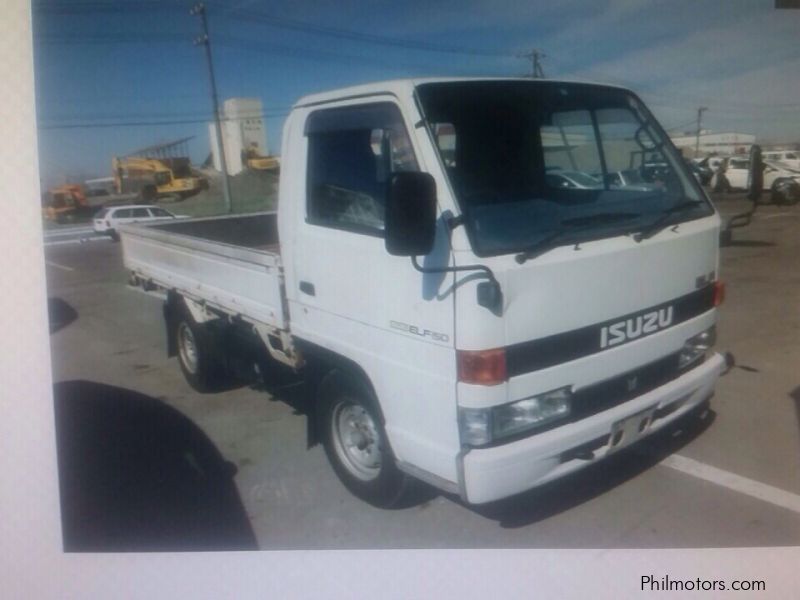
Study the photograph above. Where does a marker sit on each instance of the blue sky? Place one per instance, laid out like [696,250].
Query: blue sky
[107,62]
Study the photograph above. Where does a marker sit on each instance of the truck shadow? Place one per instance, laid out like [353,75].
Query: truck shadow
[137,475]
[59,314]
[561,495]
[749,244]
[795,396]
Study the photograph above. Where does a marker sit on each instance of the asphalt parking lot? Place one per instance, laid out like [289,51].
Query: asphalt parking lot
[731,480]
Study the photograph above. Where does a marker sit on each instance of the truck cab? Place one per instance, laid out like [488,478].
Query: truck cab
[606,306]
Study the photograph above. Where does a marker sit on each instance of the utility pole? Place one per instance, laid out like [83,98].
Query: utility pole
[700,112]
[204,40]
[535,57]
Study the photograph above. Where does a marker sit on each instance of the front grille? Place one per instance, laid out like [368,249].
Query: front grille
[613,392]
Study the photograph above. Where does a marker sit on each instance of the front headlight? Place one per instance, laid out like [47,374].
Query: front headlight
[697,347]
[481,426]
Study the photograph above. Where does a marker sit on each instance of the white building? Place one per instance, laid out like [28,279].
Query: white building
[714,143]
[243,129]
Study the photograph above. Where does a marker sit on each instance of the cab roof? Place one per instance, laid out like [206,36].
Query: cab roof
[404,87]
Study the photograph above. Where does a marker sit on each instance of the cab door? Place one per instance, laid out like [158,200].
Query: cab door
[348,295]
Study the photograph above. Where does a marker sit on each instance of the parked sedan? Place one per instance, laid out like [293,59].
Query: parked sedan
[109,218]
[786,157]
[780,179]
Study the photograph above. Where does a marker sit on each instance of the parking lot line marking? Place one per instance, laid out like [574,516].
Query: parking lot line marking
[66,232]
[731,481]
[783,214]
[79,241]
[57,266]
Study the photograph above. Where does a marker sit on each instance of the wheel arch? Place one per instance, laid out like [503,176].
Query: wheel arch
[321,362]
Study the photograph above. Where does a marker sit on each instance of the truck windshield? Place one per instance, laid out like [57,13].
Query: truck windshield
[526,159]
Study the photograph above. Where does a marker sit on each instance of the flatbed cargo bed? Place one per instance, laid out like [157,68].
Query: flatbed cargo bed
[231,263]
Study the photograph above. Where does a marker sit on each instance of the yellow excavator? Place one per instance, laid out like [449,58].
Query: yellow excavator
[156,178]
[252,159]
[158,172]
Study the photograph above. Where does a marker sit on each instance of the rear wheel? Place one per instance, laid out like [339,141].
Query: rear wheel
[352,432]
[197,355]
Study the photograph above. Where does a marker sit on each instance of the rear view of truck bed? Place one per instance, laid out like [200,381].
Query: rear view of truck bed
[231,263]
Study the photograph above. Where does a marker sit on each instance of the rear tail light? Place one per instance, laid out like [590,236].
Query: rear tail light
[719,292]
[482,367]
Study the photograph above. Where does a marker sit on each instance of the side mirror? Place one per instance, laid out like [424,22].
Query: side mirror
[410,214]
[755,177]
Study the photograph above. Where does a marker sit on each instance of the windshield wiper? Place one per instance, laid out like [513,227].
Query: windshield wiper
[568,226]
[662,221]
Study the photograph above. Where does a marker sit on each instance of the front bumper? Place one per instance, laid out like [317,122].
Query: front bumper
[489,474]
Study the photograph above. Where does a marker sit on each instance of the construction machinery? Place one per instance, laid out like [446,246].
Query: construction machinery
[158,172]
[253,159]
[64,203]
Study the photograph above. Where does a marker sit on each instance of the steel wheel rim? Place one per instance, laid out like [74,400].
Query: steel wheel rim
[356,440]
[187,347]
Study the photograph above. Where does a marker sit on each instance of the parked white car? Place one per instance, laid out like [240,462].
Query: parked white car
[108,219]
[781,180]
[736,173]
[787,157]
[739,167]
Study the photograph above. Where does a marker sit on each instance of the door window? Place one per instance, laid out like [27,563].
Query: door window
[352,153]
[140,213]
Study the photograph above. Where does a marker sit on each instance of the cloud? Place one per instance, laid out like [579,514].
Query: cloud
[746,70]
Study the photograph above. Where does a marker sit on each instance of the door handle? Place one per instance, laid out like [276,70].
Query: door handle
[307,288]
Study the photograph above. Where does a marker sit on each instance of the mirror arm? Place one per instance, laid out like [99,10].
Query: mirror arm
[489,293]
[484,268]
[453,222]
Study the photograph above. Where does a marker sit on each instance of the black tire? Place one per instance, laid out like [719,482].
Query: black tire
[148,194]
[785,192]
[197,355]
[350,427]
[113,235]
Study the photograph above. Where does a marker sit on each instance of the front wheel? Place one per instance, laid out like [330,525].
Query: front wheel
[355,441]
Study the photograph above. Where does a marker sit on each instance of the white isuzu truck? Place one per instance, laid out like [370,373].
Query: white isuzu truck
[477,299]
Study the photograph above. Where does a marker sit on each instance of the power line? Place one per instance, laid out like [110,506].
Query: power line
[262,18]
[668,129]
[346,34]
[329,56]
[259,46]
[116,7]
[122,37]
[274,111]
[148,123]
